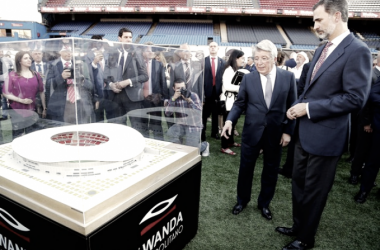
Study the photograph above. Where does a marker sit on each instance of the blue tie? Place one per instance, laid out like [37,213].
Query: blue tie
[39,68]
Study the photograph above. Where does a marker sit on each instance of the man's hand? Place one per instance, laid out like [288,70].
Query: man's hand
[227,127]
[123,84]
[176,95]
[285,139]
[297,110]
[97,105]
[98,57]
[368,129]
[66,74]
[114,88]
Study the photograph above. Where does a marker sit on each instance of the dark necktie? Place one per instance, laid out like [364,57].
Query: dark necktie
[187,73]
[321,59]
[213,71]
[121,63]
[39,68]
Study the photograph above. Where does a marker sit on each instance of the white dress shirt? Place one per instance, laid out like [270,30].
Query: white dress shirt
[272,74]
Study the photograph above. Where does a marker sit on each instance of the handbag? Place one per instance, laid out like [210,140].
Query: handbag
[237,78]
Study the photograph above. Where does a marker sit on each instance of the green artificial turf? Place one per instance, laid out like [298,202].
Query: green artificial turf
[344,224]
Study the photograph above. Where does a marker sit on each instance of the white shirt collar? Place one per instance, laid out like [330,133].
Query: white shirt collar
[337,40]
[378,67]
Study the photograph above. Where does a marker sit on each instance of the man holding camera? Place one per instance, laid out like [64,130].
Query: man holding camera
[186,107]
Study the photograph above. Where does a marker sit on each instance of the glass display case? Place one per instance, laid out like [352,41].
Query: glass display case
[90,128]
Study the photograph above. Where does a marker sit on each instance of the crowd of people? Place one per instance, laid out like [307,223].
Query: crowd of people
[312,105]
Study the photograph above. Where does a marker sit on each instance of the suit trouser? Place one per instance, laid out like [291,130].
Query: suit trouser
[210,107]
[225,143]
[372,165]
[313,177]
[124,106]
[288,165]
[249,155]
[363,146]
[154,122]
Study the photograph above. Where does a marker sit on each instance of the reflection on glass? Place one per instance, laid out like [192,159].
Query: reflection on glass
[61,82]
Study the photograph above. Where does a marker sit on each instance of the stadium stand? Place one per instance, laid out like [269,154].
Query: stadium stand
[300,35]
[110,29]
[268,31]
[73,27]
[93,3]
[156,3]
[240,33]
[55,3]
[364,5]
[289,4]
[169,28]
[224,3]
[177,40]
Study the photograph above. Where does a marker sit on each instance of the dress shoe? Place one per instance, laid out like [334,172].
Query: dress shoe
[298,245]
[288,231]
[361,197]
[238,208]
[284,173]
[354,179]
[265,212]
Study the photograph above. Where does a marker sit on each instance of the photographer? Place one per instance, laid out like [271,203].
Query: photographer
[189,127]
[71,101]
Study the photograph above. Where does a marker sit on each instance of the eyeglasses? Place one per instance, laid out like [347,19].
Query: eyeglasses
[263,59]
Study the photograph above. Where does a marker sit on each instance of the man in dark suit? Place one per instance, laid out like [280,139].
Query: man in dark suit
[372,165]
[126,92]
[287,168]
[72,98]
[250,66]
[190,71]
[364,134]
[41,67]
[265,95]
[152,91]
[335,88]
[214,67]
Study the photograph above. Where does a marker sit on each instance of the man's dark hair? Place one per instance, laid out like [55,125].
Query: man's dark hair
[178,80]
[123,30]
[250,57]
[97,37]
[332,6]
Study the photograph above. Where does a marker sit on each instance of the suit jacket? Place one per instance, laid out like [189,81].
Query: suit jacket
[258,117]
[374,98]
[135,70]
[250,68]
[375,75]
[57,102]
[340,87]
[44,65]
[208,77]
[302,79]
[157,77]
[196,78]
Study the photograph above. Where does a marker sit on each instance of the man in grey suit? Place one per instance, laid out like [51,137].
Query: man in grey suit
[337,84]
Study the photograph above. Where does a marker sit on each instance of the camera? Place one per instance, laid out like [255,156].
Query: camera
[185,93]
[71,72]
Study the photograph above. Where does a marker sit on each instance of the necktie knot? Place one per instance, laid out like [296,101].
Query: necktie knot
[67,64]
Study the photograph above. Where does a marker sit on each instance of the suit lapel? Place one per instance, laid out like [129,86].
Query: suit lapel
[258,88]
[338,52]
[129,59]
[277,87]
